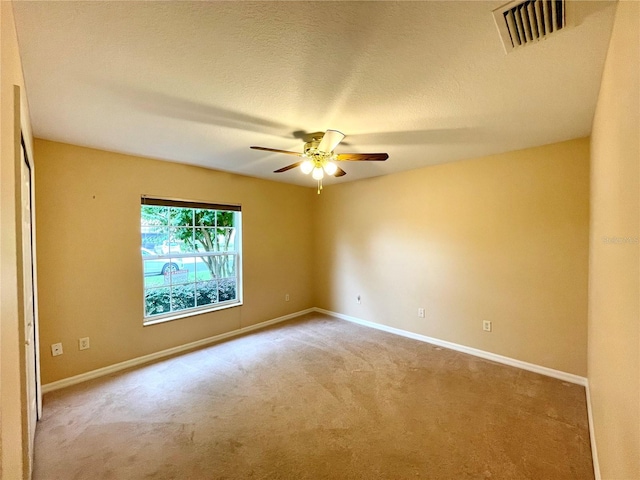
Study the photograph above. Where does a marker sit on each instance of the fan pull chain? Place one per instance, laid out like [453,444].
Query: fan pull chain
[319,186]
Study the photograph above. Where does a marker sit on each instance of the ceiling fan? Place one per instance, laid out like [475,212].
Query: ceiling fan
[319,157]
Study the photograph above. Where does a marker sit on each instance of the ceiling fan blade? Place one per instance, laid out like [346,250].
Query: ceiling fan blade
[359,157]
[330,141]
[288,167]
[276,151]
[306,136]
[339,173]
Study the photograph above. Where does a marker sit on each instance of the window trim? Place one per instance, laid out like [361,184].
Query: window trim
[190,312]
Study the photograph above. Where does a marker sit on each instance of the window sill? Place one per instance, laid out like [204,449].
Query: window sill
[191,313]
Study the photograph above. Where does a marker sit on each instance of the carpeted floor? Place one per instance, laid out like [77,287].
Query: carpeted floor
[316,398]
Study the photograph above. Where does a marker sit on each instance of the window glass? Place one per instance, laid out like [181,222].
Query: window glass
[190,257]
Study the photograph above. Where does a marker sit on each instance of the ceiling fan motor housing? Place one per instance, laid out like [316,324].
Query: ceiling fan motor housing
[312,145]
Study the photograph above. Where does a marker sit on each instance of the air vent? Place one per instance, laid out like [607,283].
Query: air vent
[522,23]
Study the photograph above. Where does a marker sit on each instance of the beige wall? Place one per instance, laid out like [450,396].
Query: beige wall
[614,318]
[90,273]
[502,238]
[14,115]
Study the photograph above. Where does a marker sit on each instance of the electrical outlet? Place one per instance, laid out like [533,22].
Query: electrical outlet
[421,312]
[358,299]
[486,325]
[83,343]
[286,297]
[56,349]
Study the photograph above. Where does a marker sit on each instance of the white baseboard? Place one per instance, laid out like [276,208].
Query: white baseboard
[100,372]
[65,382]
[592,436]
[549,372]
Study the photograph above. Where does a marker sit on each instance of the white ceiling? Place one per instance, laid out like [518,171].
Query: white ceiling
[199,82]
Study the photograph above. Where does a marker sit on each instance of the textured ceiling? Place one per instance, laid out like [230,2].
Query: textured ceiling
[199,82]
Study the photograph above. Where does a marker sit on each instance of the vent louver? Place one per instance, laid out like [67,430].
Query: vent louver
[521,23]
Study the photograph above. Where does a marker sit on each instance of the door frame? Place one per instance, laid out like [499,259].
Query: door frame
[34,283]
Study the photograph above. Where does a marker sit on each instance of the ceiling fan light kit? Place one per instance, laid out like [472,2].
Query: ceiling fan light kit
[319,157]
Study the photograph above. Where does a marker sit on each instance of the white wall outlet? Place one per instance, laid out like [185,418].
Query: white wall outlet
[486,325]
[421,312]
[56,349]
[83,343]
[358,299]
[286,297]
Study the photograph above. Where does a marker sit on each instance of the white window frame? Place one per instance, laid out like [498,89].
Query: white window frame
[237,252]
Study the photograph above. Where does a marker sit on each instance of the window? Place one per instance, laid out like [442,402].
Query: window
[191,256]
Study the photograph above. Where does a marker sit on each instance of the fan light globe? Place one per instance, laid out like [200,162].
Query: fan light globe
[306,167]
[317,173]
[330,168]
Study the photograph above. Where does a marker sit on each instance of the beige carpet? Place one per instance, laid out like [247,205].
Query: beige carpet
[317,398]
